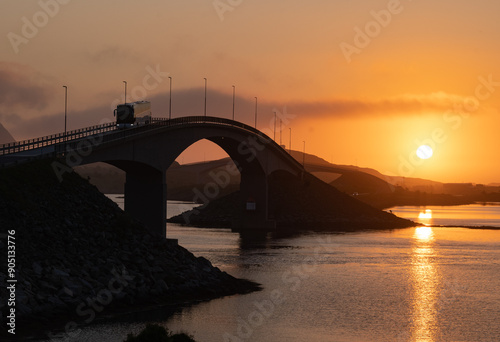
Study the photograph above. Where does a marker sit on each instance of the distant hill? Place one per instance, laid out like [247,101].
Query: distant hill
[181,179]
[357,182]
[365,184]
[5,136]
[107,178]
[414,184]
[382,191]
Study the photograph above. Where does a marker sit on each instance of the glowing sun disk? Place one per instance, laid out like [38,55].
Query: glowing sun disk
[424,152]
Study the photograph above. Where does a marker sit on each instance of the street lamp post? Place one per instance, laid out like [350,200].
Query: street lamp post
[234,90]
[170,100]
[274,135]
[304,155]
[280,132]
[65,109]
[205,109]
[255,112]
[125,91]
[290,144]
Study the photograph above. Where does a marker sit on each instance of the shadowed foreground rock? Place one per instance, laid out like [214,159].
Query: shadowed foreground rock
[79,257]
[300,204]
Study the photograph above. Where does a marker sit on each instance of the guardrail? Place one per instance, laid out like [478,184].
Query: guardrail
[68,137]
[62,143]
[55,139]
[221,121]
[228,122]
[156,123]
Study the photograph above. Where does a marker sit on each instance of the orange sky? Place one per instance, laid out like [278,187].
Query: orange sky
[363,80]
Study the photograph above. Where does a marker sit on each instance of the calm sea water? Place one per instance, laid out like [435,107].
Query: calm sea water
[415,284]
[461,215]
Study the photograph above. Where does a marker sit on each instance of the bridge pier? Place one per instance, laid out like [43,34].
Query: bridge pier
[253,202]
[145,153]
[146,198]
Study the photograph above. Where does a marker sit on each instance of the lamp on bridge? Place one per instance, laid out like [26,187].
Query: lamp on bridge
[170,101]
[234,90]
[65,109]
[304,155]
[280,131]
[274,136]
[125,91]
[255,112]
[205,110]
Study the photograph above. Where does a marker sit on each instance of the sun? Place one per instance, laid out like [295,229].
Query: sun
[424,152]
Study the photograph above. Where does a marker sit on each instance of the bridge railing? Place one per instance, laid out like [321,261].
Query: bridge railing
[62,142]
[209,119]
[54,139]
[202,119]
[111,135]
[221,121]
[68,137]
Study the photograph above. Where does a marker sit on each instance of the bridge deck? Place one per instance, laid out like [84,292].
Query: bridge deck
[56,144]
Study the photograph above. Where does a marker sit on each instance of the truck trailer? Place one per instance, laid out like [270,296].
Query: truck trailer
[133,114]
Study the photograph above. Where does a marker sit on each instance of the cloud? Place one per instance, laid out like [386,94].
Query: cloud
[22,87]
[54,123]
[404,105]
[113,55]
[190,102]
[10,118]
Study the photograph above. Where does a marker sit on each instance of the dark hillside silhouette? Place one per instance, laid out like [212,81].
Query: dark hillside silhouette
[5,136]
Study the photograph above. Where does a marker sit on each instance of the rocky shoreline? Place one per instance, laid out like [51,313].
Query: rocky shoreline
[299,205]
[79,257]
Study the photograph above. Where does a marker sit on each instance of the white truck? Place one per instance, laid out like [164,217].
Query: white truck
[133,114]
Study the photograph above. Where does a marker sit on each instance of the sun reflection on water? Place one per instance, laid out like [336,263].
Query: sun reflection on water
[425,216]
[424,234]
[425,285]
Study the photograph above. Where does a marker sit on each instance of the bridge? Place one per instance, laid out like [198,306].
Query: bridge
[146,152]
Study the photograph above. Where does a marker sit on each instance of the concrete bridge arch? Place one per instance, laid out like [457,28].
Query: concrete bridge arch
[145,156]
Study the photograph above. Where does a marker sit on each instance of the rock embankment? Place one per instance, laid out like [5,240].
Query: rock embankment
[79,257]
[300,204]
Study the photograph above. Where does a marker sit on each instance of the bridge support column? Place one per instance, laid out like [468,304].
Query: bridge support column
[146,199]
[253,203]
